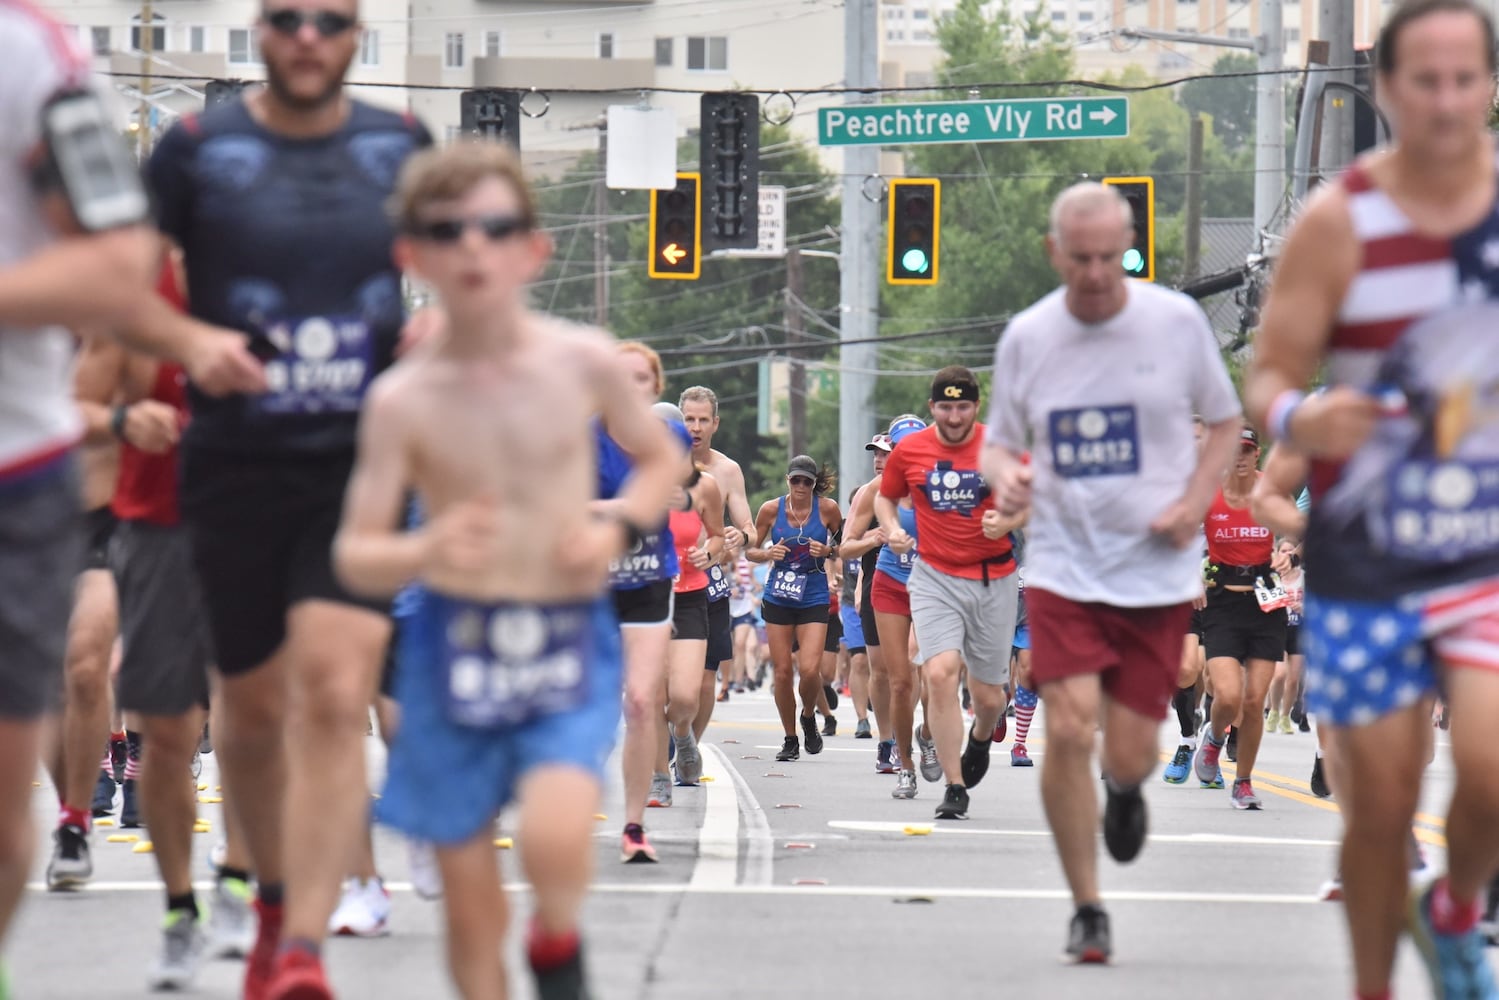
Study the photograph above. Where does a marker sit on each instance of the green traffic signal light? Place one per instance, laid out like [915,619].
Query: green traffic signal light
[1134,261]
[914,260]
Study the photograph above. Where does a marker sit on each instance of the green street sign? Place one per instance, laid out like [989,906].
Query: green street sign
[1031,119]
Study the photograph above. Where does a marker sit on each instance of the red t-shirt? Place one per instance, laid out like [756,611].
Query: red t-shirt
[1234,537]
[146,487]
[950,497]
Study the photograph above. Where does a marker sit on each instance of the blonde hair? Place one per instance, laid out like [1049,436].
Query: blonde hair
[654,359]
[452,171]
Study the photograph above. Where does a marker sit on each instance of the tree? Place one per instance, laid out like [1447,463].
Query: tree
[1229,101]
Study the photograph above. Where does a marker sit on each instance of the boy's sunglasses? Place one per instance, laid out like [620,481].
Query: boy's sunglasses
[494,227]
[289,21]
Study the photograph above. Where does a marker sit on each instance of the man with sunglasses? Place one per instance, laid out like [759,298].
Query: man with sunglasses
[277,202]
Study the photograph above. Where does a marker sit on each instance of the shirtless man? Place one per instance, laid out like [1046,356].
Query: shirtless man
[513,691]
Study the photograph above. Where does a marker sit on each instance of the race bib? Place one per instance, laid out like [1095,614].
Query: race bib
[325,365]
[642,565]
[718,583]
[958,491]
[1293,615]
[905,560]
[1271,595]
[1444,511]
[1095,441]
[510,664]
[788,585]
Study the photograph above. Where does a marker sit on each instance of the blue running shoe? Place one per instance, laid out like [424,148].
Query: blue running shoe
[1459,970]
[1215,782]
[1181,764]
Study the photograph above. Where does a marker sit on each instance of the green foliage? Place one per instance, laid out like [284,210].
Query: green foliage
[1228,102]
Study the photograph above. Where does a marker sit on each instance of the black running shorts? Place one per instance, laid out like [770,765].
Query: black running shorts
[1234,627]
[720,634]
[689,619]
[163,629]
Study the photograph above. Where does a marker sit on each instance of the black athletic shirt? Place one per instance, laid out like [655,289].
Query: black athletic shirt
[288,240]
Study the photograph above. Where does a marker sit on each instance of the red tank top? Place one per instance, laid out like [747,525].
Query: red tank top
[1234,537]
[686,529]
[146,489]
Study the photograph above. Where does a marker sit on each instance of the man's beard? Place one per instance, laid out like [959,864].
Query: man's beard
[283,93]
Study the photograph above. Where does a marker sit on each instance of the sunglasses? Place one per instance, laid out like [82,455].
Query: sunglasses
[801,481]
[329,23]
[494,227]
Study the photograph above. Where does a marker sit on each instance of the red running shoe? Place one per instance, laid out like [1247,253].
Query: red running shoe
[263,956]
[299,976]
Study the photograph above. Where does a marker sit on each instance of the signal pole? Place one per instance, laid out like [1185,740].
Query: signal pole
[859,291]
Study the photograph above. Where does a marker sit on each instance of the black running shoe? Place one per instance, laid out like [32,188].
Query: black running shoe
[1231,748]
[831,693]
[790,749]
[1319,784]
[1124,824]
[975,760]
[810,736]
[565,982]
[1089,941]
[954,803]
[829,726]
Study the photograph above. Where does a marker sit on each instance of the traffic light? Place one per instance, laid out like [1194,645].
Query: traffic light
[217,92]
[914,231]
[729,154]
[491,114]
[676,230]
[1139,259]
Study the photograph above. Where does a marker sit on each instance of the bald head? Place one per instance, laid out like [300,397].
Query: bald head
[1088,200]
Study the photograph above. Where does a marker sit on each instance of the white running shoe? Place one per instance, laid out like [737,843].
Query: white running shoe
[426,877]
[231,919]
[363,910]
[182,944]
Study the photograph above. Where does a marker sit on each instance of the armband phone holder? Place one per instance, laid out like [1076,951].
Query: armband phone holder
[88,163]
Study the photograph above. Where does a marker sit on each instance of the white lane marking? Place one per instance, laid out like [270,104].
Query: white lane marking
[759,851]
[851,891]
[1215,839]
[828,749]
[718,839]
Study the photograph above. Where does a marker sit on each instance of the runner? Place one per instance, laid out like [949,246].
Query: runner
[744,605]
[304,266]
[853,659]
[512,566]
[796,533]
[1191,678]
[1285,688]
[1385,281]
[1026,698]
[963,588]
[1120,493]
[1244,625]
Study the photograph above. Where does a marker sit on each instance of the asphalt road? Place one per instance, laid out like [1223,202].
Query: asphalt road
[802,879]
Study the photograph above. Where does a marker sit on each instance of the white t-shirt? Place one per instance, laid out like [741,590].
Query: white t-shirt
[37,60]
[1106,411]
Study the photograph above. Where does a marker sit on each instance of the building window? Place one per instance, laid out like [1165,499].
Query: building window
[101,41]
[1057,16]
[664,52]
[708,54]
[606,45]
[369,48]
[1292,36]
[157,38]
[452,50]
[492,44]
[242,48]
[1085,15]
[920,14]
[197,38]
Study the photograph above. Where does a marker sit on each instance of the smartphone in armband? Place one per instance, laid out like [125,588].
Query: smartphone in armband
[91,165]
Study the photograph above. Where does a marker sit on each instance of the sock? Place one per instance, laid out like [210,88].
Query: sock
[74,817]
[551,951]
[1449,915]
[1207,734]
[271,895]
[1186,712]
[186,902]
[107,763]
[1025,711]
[305,945]
[238,874]
[132,755]
[1119,788]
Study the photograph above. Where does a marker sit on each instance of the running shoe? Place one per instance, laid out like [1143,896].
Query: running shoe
[829,726]
[426,877]
[1019,757]
[954,803]
[231,919]
[886,760]
[182,947]
[689,759]
[1243,796]
[862,731]
[831,694]
[298,974]
[104,795]
[1001,729]
[130,815]
[196,767]
[563,982]
[905,785]
[810,736]
[1331,890]
[1320,787]
[1272,721]
[1088,939]
[1286,728]
[72,864]
[634,848]
[205,744]
[1205,762]
[261,963]
[723,695]
[660,792]
[363,910]
[1181,765]
[931,767]
[975,763]
[1124,822]
[1456,962]
[790,749]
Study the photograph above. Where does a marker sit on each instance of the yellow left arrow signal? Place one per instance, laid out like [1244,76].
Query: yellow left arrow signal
[673,253]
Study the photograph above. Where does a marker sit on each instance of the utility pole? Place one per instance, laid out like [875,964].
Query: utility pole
[859,292]
[1193,262]
[1336,26]
[796,388]
[1270,120]
[601,233]
[148,46]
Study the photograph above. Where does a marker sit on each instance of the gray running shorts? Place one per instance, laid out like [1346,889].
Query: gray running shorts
[41,549]
[970,616]
[164,635]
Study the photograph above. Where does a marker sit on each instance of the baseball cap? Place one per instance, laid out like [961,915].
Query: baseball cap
[880,442]
[1249,436]
[802,465]
[904,428]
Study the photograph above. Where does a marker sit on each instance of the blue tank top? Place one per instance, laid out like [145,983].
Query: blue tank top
[897,566]
[655,558]
[798,581]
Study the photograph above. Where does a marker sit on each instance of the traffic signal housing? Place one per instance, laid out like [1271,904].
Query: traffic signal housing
[913,233]
[676,230]
[1139,259]
[729,155]
[491,114]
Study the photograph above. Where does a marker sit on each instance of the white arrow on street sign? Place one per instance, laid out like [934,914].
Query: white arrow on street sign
[1106,115]
[772,226]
